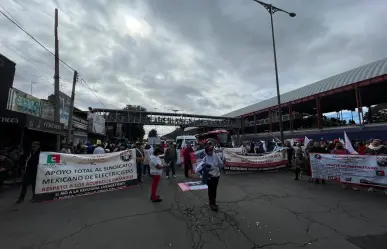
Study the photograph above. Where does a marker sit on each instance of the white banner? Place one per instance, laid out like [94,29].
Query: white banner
[354,169]
[67,175]
[238,162]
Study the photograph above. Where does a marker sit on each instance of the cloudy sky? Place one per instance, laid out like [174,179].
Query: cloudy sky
[199,56]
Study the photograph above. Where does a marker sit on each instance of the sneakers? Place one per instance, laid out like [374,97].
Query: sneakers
[167,177]
[19,201]
[157,200]
[174,176]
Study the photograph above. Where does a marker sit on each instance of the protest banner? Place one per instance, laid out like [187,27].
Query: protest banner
[238,162]
[63,176]
[352,169]
[190,186]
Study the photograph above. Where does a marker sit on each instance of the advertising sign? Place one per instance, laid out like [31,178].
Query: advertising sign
[96,123]
[36,123]
[239,162]
[80,123]
[12,118]
[48,110]
[356,169]
[19,101]
[62,176]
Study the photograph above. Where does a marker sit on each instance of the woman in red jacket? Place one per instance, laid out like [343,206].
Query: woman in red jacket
[187,159]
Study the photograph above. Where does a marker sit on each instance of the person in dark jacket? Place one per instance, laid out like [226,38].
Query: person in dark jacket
[170,159]
[139,159]
[5,165]
[30,173]
[290,153]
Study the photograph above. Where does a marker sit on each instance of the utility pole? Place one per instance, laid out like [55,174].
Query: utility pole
[70,123]
[56,78]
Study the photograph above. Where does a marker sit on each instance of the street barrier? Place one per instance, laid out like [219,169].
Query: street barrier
[62,176]
[366,170]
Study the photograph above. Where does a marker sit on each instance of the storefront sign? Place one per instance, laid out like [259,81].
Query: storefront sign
[80,123]
[352,169]
[44,125]
[19,101]
[62,176]
[10,117]
[48,110]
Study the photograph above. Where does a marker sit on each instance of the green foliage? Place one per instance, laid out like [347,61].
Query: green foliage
[152,133]
[136,131]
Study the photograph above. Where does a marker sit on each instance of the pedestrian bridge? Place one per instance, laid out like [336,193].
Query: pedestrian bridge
[182,120]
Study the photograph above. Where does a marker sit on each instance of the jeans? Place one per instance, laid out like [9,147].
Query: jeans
[139,171]
[171,165]
[155,184]
[28,179]
[146,169]
[212,184]
[187,168]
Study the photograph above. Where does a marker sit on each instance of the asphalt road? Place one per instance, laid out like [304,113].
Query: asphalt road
[261,210]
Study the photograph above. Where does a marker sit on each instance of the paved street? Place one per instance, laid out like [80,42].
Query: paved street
[267,210]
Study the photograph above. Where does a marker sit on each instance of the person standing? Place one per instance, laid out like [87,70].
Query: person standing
[146,168]
[99,149]
[299,161]
[170,159]
[139,159]
[156,170]
[212,166]
[30,173]
[187,159]
[290,154]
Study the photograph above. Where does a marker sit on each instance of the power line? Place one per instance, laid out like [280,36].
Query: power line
[45,48]
[33,38]
[84,82]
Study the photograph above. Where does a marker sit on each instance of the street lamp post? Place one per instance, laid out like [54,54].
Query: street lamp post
[272,9]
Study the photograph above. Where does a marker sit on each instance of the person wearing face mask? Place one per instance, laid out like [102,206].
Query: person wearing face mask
[340,150]
[210,168]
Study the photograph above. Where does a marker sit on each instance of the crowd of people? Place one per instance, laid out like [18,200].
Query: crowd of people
[298,155]
[151,161]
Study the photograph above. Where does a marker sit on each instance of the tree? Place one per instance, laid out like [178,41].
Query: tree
[134,131]
[152,133]
[378,113]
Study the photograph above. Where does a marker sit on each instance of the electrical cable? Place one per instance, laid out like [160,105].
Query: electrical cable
[13,20]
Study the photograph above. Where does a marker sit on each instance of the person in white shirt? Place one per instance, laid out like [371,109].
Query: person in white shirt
[156,170]
[99,150]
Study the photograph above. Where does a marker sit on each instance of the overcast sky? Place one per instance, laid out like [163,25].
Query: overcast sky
[199,56]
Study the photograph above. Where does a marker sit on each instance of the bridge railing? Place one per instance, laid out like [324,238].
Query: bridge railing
[172,121]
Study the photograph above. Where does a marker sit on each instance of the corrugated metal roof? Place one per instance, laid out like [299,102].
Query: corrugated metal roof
[365,72]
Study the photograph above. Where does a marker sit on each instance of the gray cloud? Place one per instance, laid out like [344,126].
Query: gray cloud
[207,57]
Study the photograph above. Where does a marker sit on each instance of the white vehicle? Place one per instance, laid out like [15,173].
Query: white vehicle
[181,142]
